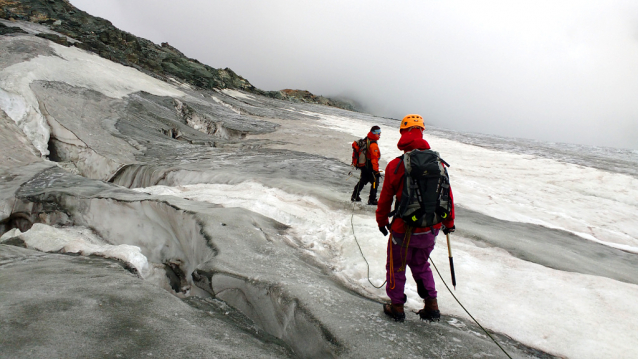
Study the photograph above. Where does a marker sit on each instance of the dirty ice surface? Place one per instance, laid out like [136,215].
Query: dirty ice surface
[560,312]
[71,66]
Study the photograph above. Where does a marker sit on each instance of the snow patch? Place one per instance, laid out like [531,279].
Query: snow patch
[79,240]
[22,108]
[237,94]
[228,106]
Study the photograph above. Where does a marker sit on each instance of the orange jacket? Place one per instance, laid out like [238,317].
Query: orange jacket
[373,154]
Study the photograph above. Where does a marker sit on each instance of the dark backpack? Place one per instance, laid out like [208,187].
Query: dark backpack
[425,200]
[359,151]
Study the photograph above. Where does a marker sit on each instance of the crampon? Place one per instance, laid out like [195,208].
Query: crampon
[394,311]
[429,315]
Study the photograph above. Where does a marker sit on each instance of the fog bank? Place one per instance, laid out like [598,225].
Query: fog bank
[562,72]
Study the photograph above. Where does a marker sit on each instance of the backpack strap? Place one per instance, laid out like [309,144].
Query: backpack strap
[366,151]
[399,164]
[396,204]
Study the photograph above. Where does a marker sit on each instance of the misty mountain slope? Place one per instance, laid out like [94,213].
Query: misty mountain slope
[63,23]
[247,202]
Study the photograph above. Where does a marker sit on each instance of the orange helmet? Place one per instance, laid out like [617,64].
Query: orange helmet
[412,121]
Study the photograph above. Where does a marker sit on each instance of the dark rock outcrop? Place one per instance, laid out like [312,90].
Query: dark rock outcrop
[307,96]
[6,30]
[101,37]
[55,38]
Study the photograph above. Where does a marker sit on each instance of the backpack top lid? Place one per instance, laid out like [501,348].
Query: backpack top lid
[422,163]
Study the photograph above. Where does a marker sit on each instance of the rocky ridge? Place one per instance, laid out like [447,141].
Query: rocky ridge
[163,61]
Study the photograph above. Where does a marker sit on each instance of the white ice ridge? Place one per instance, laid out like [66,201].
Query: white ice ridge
[76,67]
[46,238]
[228,106]
[567,314]
[237,94]
[593,204]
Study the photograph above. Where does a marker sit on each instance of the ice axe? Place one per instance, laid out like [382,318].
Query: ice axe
[449,253]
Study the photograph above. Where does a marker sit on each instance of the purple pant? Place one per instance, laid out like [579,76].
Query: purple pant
[416,257]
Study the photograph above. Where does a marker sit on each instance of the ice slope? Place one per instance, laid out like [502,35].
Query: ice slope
[594,204]
[576,315]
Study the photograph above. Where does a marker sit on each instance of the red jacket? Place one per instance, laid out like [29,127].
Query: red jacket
[373,153]
[393,185]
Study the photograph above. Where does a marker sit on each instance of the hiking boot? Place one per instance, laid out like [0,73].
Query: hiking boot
[430,311]
[394,311]
[373,201]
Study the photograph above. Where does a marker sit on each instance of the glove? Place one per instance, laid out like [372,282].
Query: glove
[383,230]
[448,230]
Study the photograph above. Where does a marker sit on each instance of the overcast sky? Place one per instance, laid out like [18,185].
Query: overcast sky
[562,71]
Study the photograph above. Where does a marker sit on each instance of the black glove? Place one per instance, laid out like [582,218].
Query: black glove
[448,230]
[383,230]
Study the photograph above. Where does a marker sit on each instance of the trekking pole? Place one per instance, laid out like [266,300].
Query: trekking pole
[449,252]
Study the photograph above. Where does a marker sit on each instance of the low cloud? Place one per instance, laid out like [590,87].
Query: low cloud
[556,71]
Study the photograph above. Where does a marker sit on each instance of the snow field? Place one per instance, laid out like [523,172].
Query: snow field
[568,314]
[71,66]
[593,204]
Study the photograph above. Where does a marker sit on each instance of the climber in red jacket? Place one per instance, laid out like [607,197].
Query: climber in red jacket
[422,240]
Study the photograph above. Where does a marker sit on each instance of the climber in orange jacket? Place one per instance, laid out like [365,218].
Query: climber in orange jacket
[370,172]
